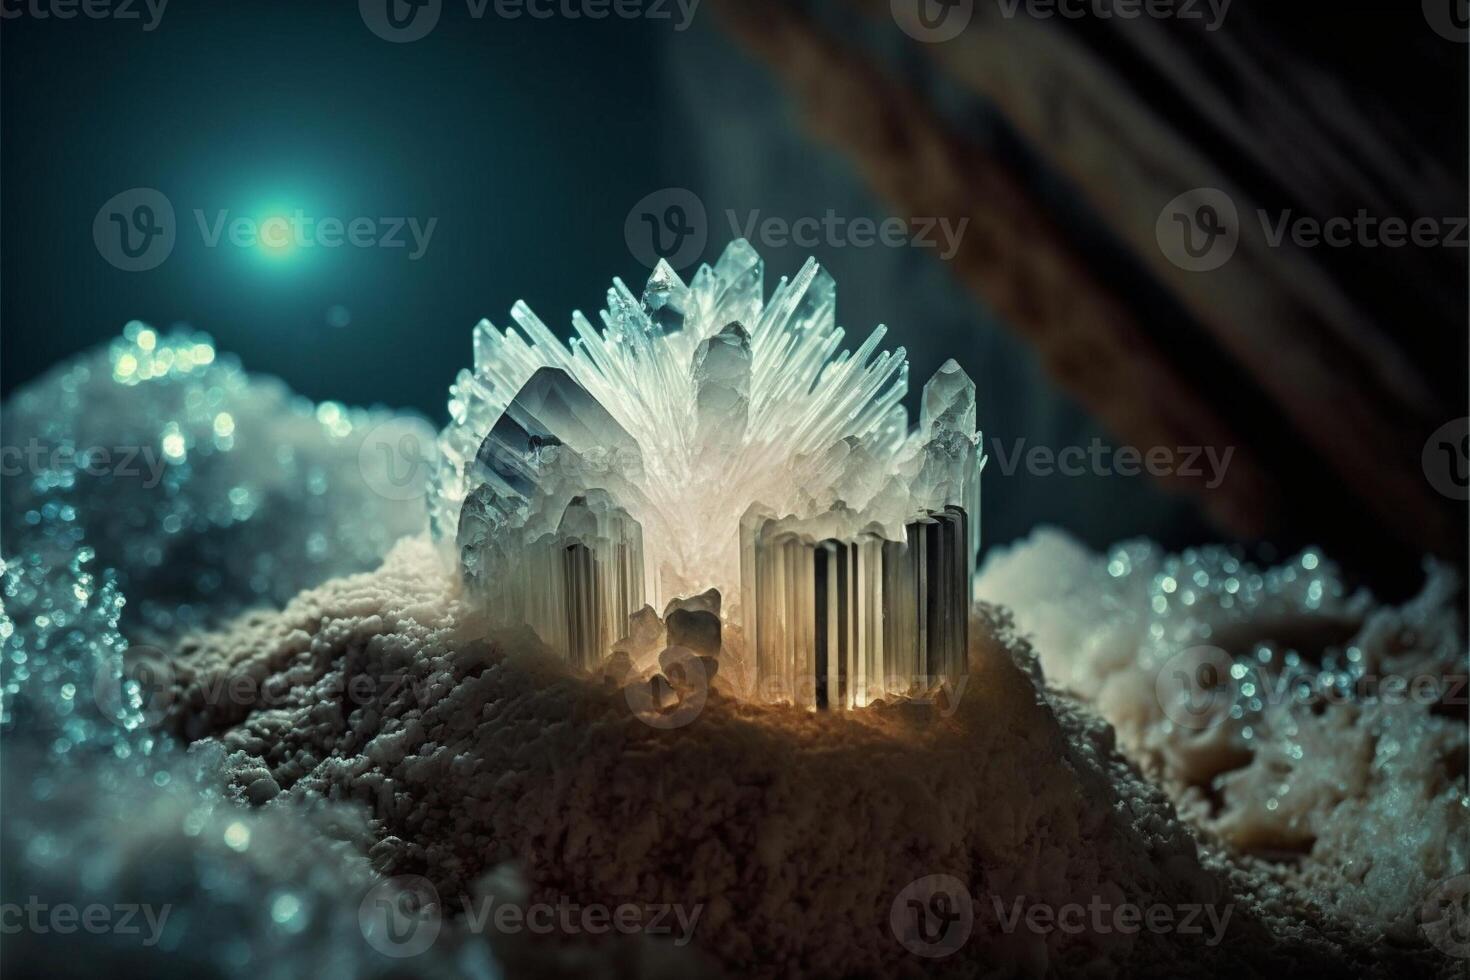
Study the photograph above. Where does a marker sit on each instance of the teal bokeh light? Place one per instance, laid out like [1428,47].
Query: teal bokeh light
[284,234]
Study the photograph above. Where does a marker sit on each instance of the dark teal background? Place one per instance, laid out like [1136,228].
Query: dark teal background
[529,141]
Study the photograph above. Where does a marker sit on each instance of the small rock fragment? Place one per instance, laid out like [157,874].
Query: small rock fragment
[262,790]
[694,622]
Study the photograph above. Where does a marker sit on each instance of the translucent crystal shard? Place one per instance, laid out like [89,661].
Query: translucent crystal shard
[577,587]
[949,401]
[926,604]
[840,623]
[551,410]
[952,456]
[666,299]
[575,582]
[739,447]
[721,374]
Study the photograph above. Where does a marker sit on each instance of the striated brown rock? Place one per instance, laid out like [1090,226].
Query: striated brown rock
[1300,358]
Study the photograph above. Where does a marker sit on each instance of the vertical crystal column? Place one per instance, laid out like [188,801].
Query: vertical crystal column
[577,587]
[586,610]
[927,602]
[815,615]
[831,626]
[847,612]
[600,584]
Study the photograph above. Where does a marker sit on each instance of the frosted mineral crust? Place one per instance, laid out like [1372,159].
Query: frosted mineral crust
[1332,732]
[393,735]
[795,832]
[709,438]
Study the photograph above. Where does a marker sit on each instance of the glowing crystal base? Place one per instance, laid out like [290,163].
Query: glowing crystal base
[842,623]
[707,439]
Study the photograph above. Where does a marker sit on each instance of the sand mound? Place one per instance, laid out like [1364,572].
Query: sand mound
[797,837]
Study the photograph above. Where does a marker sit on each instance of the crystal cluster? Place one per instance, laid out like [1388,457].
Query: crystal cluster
[709,438]
[205,489]
[1324,724]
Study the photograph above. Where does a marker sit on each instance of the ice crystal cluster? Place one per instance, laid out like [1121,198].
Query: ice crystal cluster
[1290,714]
[266,835]
[203,488]
[707,437]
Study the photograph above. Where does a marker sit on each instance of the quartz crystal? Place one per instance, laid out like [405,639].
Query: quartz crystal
[710,441]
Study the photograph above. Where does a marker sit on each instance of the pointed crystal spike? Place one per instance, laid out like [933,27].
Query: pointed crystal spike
[721,373]
[949,401]
[666,299]
[742,277]
[817,310]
